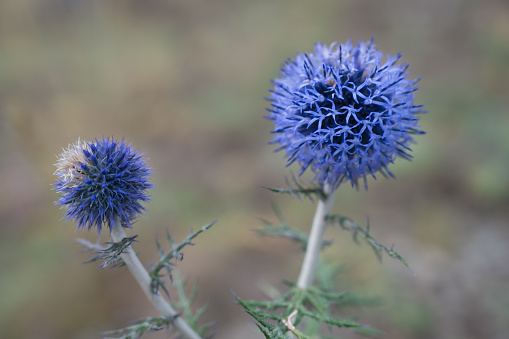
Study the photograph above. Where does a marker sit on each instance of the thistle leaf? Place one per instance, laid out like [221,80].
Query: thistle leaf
[140,327]
[348,224]
[165,260]
[298,188]
[284,230]
[276,318]
[110,256]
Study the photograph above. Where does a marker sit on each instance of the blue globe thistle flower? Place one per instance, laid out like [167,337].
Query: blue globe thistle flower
[344,113]
[101,182]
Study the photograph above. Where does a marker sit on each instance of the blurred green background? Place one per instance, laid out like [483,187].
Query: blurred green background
[184,81]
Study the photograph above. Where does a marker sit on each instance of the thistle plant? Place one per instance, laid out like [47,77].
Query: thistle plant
[103,183]
[344,114]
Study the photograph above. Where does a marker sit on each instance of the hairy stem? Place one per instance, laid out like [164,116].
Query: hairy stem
[308,269]
[141,275]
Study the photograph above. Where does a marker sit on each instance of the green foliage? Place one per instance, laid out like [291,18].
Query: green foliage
[140,327]
[313,306]
[348,224]
[306,313]
[285,230]
[165,259]
[298,188]
[184,305]
[110,255]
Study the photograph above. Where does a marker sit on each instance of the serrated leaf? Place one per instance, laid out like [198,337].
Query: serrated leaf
[110,256]
[348,224]
[284,230]
[315,303]
[298,188]
[174,254]
[140,327]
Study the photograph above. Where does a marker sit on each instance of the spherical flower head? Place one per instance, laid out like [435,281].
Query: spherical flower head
[101,183]
[344,113]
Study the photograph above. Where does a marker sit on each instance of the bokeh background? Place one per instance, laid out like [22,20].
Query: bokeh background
[184,81]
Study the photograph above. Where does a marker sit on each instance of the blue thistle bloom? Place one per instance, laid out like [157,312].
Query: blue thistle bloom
[343,113]
[101,182]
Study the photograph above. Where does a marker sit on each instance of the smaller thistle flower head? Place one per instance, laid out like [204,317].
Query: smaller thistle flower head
[101,182]
[344,113]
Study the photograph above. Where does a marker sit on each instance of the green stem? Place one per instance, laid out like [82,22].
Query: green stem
[142,277]
[315,241]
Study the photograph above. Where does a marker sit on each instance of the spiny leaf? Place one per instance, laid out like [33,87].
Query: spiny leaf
[348,224]
[284,230]
[184,303]
[331,321]
[300,189]
[140,327]
[174,254]
[296,305]
[270,331]
[109,255]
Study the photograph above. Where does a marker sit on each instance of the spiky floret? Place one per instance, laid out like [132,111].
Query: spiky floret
[102,181]
[343,113]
